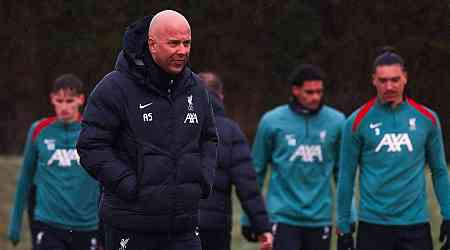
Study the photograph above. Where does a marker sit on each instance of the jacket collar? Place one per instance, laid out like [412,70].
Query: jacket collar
[299,109]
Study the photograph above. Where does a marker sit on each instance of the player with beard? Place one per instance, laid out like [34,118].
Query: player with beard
[300,141]
[390,139]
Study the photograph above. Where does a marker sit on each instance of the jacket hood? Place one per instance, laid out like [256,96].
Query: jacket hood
[134,41]
[135,59]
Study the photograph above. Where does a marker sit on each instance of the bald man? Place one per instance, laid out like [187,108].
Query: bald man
[148,136]
[235,170]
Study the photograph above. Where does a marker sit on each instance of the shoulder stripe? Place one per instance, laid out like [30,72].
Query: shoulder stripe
[41,125]
[362,113]
[422,110]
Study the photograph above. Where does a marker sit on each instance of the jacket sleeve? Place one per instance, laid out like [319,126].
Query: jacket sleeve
[208,146]
[348,161]
[262,150]
[243,177]
[336,152]
[100,126]
[435,156]
[261,153]
[24,182]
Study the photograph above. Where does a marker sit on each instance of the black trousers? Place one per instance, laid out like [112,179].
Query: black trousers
[119,239]
[215,240]
[289,237]
[31,205]
[46,237]
[387,237]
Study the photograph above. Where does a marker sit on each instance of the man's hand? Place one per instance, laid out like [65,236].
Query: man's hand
[15,242]
[345,240]
[265,241]
[249,234]
[445,235]
[14,237]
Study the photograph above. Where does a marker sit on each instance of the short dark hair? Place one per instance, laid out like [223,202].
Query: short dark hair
[306,72]
[388,55]
[68,81]
[213,83]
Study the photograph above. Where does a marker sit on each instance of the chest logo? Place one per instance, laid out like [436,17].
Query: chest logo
[190,103]
[146,117]
[376,127]
[290,138]
[412,124]
[50,144]
[123,244]
[191,117]
[64,157]
[307,153]
[143,106]
[323,135]
[394,142]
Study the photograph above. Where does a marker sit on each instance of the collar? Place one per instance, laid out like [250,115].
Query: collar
[298,108]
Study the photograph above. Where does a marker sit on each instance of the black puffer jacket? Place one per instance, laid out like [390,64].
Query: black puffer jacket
[234,168]
[150,139]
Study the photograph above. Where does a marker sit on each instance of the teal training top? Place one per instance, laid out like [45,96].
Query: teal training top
[302,151]
[391,147]
[66,196]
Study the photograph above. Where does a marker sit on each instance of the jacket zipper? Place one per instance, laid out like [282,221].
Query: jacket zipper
[395,118]
[66,143]
[306,126]
[169,90]
[171,138]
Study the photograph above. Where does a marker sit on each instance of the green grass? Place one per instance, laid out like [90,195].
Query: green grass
[10,166]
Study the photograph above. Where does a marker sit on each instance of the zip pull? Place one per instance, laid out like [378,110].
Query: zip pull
[169,91]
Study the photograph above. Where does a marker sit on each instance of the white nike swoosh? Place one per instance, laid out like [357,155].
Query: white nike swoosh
[144,106]
[375,125]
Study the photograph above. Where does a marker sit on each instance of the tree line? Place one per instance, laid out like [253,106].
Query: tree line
[253,45]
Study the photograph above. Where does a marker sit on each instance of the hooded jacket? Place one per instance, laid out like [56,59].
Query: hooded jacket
[150,140]
[234,169]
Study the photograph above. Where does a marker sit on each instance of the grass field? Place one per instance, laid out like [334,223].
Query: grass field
[10,166]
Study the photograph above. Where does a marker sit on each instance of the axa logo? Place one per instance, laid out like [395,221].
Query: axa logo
[307,153]
[394,142]
[64,157]
[191,118]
